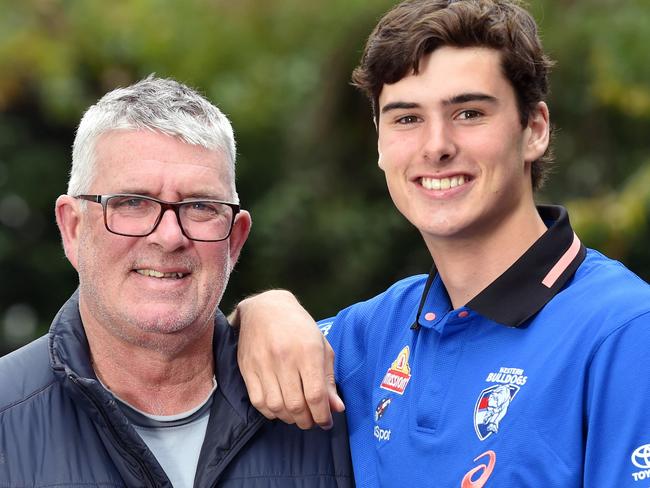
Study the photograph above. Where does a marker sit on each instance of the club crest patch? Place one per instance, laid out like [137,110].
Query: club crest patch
[493,402]
[399,373]
[491,406]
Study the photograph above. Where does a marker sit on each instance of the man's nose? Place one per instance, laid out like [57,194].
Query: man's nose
[168,233]
[438,145]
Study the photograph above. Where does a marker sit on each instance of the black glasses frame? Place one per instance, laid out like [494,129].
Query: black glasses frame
[164,206]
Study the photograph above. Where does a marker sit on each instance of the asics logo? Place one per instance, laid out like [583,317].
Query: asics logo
[485,471]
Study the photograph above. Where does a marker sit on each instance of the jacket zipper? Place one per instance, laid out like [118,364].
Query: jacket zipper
[148,476]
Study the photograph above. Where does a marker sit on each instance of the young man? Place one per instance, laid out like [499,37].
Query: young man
[136,384]
[521,360]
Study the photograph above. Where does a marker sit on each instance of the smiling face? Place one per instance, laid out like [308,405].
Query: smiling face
[160,290]
[455,155]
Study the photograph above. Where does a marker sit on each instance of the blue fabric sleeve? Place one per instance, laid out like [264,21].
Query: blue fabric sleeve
[346,334]
[617,450]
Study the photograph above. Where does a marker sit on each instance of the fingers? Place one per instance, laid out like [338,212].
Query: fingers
[280,397]
[298,394]
[286,362]
[256,395]
[335,402]
[312,370]
[295,408]
[273,405]
[258,388]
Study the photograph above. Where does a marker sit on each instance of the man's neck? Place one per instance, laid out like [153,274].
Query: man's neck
[151,380]
[468,265]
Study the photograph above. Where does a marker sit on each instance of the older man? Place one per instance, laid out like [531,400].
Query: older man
[136,383]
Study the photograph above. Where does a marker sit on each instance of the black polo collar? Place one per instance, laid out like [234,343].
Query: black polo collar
[536,277]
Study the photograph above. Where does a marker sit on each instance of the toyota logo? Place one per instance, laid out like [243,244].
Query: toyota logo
[641,457]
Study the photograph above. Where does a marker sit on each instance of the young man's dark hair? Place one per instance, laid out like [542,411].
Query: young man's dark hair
[413,29]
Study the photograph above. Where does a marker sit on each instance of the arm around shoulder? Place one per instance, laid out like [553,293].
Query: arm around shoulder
[286,362]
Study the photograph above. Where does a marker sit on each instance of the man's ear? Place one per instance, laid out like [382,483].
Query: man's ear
[240,230]
[379,161]
[538,133]
[68,218]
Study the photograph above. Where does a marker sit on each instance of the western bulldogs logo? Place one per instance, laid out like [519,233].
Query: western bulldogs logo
[491,406]
[381,408]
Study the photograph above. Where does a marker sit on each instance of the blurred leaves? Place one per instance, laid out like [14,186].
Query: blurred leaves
[618,223]
[323,223]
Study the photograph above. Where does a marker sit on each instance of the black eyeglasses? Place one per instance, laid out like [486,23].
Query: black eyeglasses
[138,216]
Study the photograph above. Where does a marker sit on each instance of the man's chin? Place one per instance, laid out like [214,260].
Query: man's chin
[168,334]
[162,319]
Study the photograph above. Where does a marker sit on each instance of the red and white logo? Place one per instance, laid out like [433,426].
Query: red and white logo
[399,373]
[491,406]
[485,471]
[493,402]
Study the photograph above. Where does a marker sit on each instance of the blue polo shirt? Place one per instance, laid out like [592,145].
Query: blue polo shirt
[542,380]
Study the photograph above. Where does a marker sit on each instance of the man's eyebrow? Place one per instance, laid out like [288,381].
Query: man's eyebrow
[133,191]
[191,196]
[469,97]
[455,100]
[202,196]
[398,106]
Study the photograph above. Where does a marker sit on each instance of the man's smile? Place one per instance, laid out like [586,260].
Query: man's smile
[443,183]
[159,274]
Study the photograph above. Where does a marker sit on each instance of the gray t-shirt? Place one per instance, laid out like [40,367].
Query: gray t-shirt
[175,440]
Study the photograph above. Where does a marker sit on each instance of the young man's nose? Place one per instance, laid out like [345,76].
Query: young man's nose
[438,143]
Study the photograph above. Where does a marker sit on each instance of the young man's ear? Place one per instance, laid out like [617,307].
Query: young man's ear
[380,163]
[538,133]
[240,230]
[68,218]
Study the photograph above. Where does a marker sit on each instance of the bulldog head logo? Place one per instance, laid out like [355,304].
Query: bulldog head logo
[491,406]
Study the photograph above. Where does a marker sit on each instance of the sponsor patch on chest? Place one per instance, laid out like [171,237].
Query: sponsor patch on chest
[398,375]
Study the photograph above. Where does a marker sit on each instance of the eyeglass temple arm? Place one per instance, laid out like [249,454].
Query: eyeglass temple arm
[90,198]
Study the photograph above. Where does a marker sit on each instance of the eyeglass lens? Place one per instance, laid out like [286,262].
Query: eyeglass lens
[203,220]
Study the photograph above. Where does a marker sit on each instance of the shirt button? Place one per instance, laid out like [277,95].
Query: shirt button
[429,316]
[463,314]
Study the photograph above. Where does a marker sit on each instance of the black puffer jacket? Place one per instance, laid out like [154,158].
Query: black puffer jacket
[60,428]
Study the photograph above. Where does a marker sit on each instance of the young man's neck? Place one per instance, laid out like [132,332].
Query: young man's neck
[467,265]
[152,380]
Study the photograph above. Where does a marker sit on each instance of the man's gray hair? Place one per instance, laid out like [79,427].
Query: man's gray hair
[156,104]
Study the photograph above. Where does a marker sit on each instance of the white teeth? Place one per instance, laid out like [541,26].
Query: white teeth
[152,273]
[157,274]
[443,183]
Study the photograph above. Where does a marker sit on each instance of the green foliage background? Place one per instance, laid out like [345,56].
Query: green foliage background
[323,223]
